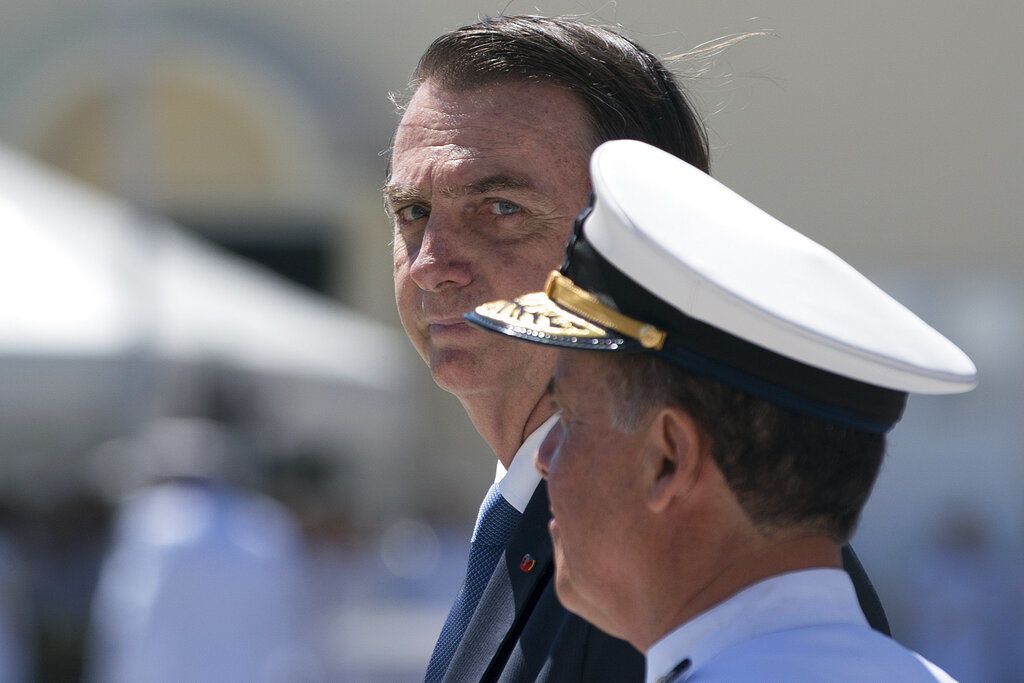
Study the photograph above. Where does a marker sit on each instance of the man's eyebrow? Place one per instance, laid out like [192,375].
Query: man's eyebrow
[396,195]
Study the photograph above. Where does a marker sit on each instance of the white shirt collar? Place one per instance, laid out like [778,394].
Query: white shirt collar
[792,600]
[520,481]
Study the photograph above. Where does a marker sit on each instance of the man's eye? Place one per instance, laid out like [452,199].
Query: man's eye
[503,208]
[413,212]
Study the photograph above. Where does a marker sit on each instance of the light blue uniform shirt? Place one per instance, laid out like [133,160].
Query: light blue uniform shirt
[800,626]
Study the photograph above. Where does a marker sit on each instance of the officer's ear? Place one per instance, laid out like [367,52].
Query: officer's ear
[674,454]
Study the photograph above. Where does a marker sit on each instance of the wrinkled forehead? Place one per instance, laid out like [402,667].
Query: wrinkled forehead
[525,130]
[506,111]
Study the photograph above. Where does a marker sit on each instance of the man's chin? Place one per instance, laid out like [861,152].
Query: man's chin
[574,601]
[458,371]
[563,576]
[565,591]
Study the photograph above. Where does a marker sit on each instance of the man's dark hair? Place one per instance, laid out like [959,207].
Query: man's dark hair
[627,92]
[787,470]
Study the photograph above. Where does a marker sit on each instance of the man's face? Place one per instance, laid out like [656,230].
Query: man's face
[595,488]
[484,187]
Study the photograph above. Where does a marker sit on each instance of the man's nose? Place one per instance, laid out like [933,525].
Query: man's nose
[542,461]
[442,259]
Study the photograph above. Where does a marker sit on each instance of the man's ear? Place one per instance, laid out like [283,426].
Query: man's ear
[673,456]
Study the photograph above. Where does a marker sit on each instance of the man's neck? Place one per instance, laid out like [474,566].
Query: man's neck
[504,424]
[683,598]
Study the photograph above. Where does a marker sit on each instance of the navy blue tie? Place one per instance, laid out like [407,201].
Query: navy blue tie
[494,527]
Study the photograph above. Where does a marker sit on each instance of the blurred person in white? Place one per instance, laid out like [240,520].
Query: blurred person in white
[204,580]
[488,172]
[725,387]
[965,613]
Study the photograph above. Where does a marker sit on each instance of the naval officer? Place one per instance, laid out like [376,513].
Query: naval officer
[724,388]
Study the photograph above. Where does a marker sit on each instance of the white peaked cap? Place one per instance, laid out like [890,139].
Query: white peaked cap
[722,260]
[670,261]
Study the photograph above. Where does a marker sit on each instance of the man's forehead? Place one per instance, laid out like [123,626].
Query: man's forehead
[501,116]
[453,171]
[469,184]
[506,97]
[500,137]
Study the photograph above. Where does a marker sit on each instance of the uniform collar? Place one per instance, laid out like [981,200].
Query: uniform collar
[520,481]
[786,601]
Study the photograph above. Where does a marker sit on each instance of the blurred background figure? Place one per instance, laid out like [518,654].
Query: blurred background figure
[204,580]
[968,613]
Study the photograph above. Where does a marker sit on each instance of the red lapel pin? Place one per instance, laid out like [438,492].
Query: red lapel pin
[527,563]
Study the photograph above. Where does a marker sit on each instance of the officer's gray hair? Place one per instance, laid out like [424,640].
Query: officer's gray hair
[786,469]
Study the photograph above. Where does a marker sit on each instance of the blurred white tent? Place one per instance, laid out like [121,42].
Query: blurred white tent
[108,318]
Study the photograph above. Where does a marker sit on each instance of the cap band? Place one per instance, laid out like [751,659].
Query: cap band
[773,393]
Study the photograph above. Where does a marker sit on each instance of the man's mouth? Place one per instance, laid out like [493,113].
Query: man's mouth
[444,327]
[445,321]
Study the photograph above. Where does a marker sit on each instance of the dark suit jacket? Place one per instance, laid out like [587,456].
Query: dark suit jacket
[520,632]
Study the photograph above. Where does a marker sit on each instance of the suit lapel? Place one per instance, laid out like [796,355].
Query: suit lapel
[509,597]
